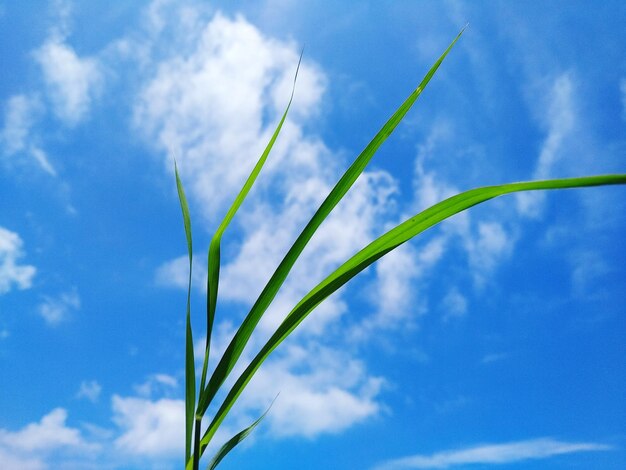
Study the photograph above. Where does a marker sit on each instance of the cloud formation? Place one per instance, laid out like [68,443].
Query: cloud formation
[559,122]
[50,434]
[149,428]
[55,310]
[72,82]
[317,389]
[216,117]
[90,390]
[493,454]
[21,114]
[13,274]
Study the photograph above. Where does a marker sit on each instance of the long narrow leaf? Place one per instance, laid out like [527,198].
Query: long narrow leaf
[376,250]
[241,337]
[234,441]
[214,247]
[190,373]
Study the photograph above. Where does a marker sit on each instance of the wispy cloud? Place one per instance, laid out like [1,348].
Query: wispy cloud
[486,249]
[493,357]
[17,136]
[55,310]
[13,274]
[559,122]
[161,384]
[494,454]
[90,390]
[454,304]
[20,114]
[588,269]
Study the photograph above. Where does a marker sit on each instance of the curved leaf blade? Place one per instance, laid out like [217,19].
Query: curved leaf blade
[215,245]
[234,441]
[378,248]
[241,337]
[190,373]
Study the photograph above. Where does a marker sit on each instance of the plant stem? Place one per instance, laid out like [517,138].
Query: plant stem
[196,443]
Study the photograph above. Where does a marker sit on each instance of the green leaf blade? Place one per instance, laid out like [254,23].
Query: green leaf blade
[378,248]
[234,441]
[239,341]
[190,373]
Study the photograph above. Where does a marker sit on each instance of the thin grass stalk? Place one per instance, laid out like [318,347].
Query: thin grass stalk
[190,373]
[213,256]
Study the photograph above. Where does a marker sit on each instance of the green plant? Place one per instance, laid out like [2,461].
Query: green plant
[196,407]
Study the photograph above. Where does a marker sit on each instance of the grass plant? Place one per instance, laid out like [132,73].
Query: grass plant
[196,407]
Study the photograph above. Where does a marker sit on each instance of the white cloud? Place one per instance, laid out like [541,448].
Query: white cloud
[487,249]
[149,428]
[21,114]
[11,461]
[454,304]
[55,310]
[398,292]
[62,12]
[395,283]
[153,430]
[588,268]
[216,115]
[175,273]
[322,390]
[11,273]
[51,434]
[429,187]
[486,243]
[162,384]
[318,389]
[90,390]
[560,121]
[42,158]
[72,82]
[494,454]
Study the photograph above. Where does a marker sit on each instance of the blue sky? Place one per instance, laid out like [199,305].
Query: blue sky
[495,340]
